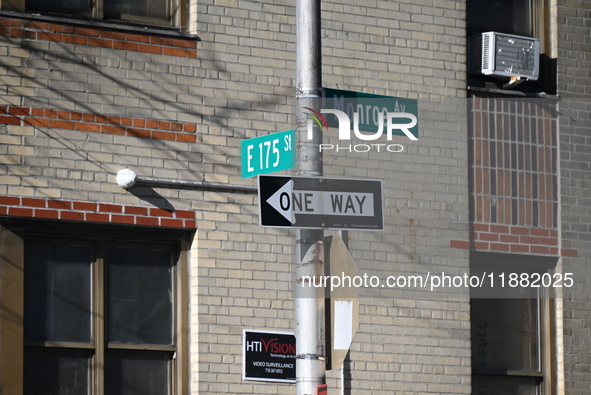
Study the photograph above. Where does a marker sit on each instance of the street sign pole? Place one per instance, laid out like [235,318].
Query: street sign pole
[309,301]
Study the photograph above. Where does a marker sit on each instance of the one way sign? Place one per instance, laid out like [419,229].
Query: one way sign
[320,203]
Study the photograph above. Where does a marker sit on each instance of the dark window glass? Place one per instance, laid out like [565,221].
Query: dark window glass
[54,371]
[133,9]
[505,338]
[505,16]
[57,292]
[138,292]
[505,334]
[139,295]
[137,372]
[150,11]
[497,385]
[61,6]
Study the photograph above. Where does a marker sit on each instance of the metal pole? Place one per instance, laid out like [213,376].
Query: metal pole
[345,238]
[309,301]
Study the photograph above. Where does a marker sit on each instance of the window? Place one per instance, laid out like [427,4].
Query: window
[89,305]
[506,347]
[504,16]
[102,317]
[511,334]
[157,12]
[530,18]
[100,313]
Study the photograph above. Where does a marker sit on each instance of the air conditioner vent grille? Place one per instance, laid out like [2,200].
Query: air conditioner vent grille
[505,55]
[486,52]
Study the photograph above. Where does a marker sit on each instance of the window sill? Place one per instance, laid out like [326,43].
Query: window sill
[512,93]
[121,26]
[497,372]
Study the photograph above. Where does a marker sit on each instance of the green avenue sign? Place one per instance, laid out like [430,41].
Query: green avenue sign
[368,107]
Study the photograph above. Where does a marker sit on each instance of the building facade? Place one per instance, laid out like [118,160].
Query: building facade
[147,290]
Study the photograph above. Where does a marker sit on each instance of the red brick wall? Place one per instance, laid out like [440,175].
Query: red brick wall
[43,31]
[30,30]
[95,212]
[514,167]
[513,176]
[88,122]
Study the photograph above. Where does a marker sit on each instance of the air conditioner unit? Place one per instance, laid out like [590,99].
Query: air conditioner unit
[505,55]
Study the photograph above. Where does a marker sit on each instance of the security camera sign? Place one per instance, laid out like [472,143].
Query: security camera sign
[269,356]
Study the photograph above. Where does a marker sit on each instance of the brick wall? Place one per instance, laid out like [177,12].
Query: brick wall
[95,212]
[89,122]
[75,112]
[513,176]
[83,35]
[575,149]
[514,143]
[410,340]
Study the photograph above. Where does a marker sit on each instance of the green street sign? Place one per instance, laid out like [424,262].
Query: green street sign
[268,154]
[368,108]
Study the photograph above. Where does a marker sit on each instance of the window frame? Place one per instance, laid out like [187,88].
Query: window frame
[97,12]
[543,373]
[11,311]
[100,236]
[541,24]
[487,262]
[531,13]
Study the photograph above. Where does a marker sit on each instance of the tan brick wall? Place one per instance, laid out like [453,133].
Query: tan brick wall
[241,85]
[408,341]
[573,86]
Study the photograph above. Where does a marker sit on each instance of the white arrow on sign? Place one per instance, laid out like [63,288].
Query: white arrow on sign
[289,202]
[281,201]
